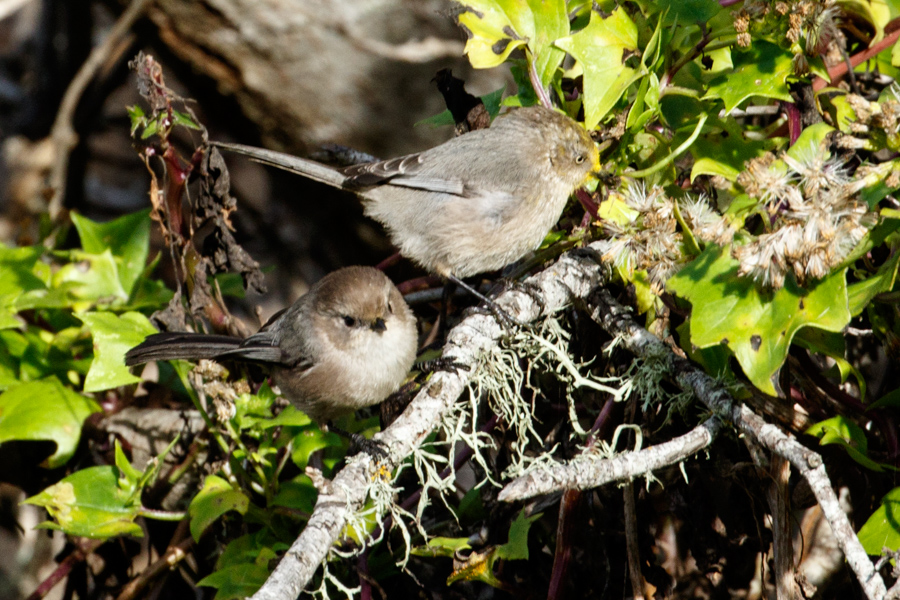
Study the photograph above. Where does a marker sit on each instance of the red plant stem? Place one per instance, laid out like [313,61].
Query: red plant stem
[390,261]
[64,568]
[566,528]
[837,72]
[362,567]
[794,125]
[568,521]
[584,197]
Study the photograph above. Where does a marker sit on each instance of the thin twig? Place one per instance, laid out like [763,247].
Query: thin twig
[63,133]
[617,320]
[839,70]
[174,554]
[62,570]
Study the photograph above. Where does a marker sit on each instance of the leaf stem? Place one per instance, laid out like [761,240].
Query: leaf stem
[671,157]
[162,515]
[535,78]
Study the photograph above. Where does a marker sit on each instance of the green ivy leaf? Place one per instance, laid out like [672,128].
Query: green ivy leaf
[91,278]
[889,400]
[310,439]
[687,12]
[882,529]
[442,546]
[215,499]
[113,336]
[832,345]
[290,416]
[184,120]
[600,49]
[242,567]
[17,277]
[862,292]
[480,566]
[127,238]
[756,326]
[45,410]
[297,494]
[725,151]
[761,70]
[843,432]
[92,504]
[236,581]
[516,548]
[137,116]
[497,27]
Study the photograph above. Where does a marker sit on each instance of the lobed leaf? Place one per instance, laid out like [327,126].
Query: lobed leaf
[756,326]
[45,410]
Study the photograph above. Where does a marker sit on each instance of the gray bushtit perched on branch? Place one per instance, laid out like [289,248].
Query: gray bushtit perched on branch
[475,203]
[346,344]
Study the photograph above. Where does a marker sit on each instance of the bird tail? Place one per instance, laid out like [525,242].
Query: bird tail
[300,166]
[190,346]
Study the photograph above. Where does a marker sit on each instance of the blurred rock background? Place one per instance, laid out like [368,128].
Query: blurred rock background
[288,74]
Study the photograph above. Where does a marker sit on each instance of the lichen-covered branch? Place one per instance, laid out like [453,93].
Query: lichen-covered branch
[589,471]
[573,276]
[617,320]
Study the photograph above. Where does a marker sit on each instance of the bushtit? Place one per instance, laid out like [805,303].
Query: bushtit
[474,203]
[347,343]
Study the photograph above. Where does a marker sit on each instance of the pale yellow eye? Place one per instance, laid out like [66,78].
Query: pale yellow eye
[580,159]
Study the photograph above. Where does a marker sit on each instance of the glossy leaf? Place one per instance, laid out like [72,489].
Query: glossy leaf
[45,410]
[687,12]
[725,151]
[442,546]
[91,503]
[760,71]
[497,27]
[847,434]
[113,335]
[17,277]
[861,293]
[480,565]
[756,326]
[236,581]
[601,49]
[127,238]
[93,278]
[215,499]
[882,529]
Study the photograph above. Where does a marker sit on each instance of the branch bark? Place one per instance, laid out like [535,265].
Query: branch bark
[617,320]
[573,276]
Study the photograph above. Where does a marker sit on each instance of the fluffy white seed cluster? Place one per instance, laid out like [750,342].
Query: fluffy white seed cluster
[816,218]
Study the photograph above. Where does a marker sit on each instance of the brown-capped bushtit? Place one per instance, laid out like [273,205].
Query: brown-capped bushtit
[475,203]
[346,344]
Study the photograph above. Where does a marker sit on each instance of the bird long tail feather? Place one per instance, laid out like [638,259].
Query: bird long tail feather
[190,346]
[294,164]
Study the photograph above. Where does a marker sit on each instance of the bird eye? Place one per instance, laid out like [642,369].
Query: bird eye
[391,307]
[349,321]
[580,159]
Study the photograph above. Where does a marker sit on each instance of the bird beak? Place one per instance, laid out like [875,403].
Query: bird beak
[378,325]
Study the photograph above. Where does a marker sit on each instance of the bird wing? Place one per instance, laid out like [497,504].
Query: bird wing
[262,346]
[404,171]
[265,346]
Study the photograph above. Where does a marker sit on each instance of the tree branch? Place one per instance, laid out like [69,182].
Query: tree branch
[573,276]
